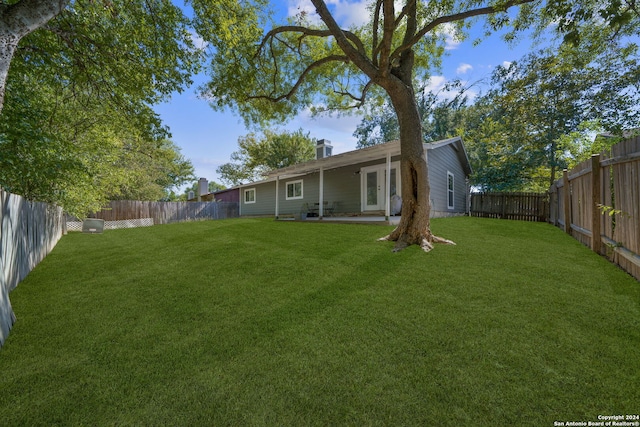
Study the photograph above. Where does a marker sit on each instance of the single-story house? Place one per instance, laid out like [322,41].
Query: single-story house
[360,182]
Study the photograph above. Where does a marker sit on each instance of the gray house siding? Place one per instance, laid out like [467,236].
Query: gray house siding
[265,203]
[342,188]
[345,188]
[342,184]
[266,196]
[310,191]
[442,160]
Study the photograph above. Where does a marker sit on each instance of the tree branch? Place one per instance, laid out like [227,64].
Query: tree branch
[359,58]
[361,99]
[311,67]
[310,32]
[389,27]
[374,38]
[454,18]
[26,16]
[403,12]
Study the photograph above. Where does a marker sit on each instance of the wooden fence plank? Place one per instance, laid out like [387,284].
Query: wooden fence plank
[516,206]
[166,212]
[601,203]
[28,232]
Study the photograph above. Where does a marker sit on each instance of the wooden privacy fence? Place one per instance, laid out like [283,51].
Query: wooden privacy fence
[598,203]
[167,212]
[28,232]
[518,206]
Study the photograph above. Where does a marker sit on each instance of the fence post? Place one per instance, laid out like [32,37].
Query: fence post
[567,202]
[596,240]
[553,219]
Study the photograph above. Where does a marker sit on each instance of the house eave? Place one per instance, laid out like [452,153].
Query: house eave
[339,160]
[457,144]
[364,155]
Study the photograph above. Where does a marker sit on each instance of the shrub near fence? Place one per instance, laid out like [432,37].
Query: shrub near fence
[518,206]
[167,212]
[28,232]
[598,203]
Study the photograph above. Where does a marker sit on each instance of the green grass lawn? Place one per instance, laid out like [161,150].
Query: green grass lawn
[257,322]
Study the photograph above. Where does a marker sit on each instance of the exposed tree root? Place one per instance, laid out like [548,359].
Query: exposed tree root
[425,244]
[437,239]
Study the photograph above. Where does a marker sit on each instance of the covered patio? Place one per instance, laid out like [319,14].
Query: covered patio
[350,219]
[322,209]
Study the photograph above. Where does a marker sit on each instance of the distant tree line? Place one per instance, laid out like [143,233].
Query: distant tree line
[537,116]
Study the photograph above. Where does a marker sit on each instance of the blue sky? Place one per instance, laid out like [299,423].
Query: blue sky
[208,138]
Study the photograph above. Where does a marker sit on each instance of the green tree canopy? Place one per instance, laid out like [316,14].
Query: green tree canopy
[78,127]
[80,156]
[546,104]
[540,114]
[441,114]
[260,154]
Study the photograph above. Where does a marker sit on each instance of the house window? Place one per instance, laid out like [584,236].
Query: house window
[249,196]
[450,190]
[294,190]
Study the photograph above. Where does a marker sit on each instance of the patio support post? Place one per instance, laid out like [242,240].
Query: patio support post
[277,192]
[387,188]
[321,205]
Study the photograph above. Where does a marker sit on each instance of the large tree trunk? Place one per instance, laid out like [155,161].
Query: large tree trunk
[8,45]
[414,227]
[16,21]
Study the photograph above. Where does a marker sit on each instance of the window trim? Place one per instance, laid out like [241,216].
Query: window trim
[451,191]
[244,196]
[286,190]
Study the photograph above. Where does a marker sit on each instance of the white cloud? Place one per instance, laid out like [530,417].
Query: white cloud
[506,64]
[346,12]
[198,41]
[452,39]
[337,129]
[350,13]
[464,68]
[305,7]
[436,84]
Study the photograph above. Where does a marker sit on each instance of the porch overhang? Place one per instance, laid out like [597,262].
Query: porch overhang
[382,152]
[375,152]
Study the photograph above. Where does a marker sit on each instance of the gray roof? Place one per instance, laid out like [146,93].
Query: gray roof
[362,155]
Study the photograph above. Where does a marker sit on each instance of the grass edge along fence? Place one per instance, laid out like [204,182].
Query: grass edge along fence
[28,232]
[598,203]
[517,206]
[164,212]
